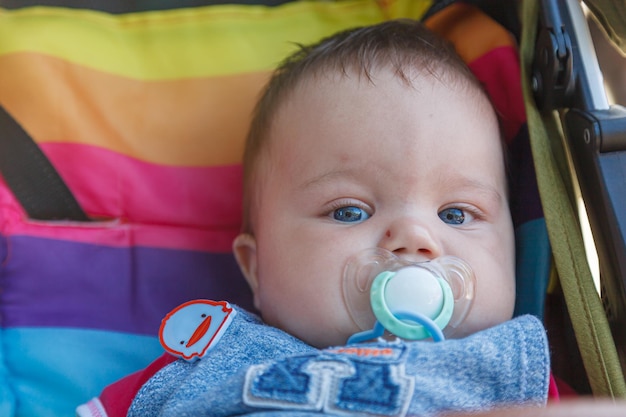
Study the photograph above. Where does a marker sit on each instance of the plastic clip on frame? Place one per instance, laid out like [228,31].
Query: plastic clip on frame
[566,77]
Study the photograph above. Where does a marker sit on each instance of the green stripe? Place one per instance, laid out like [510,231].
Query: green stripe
[199,42]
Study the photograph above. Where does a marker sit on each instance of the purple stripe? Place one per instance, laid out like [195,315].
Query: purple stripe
[525,200]
[45,282]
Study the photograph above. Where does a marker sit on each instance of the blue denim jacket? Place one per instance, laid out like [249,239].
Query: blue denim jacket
[261,371]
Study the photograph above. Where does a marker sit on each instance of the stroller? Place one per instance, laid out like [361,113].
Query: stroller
[121,134]
[578,153]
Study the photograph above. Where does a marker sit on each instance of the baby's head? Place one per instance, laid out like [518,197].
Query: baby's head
[378,137]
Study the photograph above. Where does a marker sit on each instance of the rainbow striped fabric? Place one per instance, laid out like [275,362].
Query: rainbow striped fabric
[144,115]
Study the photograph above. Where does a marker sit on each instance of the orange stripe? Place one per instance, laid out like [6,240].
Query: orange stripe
[472,32]
[188,122]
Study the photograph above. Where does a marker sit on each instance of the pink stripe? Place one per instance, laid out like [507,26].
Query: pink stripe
[142,203]
[116,233]
[109,184]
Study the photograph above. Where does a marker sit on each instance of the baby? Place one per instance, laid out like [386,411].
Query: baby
[375,138]
[380,138]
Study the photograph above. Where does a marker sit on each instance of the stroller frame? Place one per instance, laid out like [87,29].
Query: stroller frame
[566,82]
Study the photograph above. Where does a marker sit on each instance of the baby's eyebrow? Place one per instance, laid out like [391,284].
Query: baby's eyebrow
[452,183]
[487,189]
[327,177]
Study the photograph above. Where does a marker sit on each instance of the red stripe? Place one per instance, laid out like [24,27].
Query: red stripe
[499,70]
[117,397]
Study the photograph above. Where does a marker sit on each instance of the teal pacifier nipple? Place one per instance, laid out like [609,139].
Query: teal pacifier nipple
[411,300]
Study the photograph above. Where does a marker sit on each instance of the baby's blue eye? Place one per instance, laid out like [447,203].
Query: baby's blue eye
[350,214]
[452,216]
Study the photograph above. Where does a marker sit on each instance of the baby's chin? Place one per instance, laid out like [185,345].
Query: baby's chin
[320,338]
[471,327]
[330,338]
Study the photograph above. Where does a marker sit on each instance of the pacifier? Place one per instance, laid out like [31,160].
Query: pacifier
[411,300]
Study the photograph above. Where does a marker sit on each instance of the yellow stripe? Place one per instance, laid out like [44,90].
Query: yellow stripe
[194,42]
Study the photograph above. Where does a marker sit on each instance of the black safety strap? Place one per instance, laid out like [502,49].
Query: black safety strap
[31,177]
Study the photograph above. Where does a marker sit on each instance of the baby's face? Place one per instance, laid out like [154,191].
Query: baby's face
[354,165]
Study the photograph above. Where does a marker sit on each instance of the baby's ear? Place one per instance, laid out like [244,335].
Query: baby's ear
[244,248]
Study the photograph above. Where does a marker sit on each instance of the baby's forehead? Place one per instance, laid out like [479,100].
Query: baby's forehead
[320,94]
[322,103]
[408,74]
[412,78]
[320,90]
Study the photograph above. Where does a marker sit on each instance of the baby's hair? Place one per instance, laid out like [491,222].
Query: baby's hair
[406,46]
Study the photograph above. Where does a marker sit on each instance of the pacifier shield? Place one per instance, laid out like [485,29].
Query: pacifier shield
[360,272]
[380,288]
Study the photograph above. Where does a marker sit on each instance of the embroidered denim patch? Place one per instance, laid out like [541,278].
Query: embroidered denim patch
[367,381]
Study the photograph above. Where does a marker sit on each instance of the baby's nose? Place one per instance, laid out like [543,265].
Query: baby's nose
[413,239]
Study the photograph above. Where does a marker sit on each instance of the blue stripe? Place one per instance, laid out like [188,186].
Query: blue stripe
[534,260]
[51,371]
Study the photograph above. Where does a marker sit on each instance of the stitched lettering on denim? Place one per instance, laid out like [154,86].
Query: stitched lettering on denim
[333,383]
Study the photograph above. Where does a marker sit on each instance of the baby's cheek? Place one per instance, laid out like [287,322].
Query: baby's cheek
[494,302]
[501,299]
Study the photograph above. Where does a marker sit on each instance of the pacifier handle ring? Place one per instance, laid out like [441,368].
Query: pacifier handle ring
[423,320]
[379,330]
[392,321]
[366,335]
